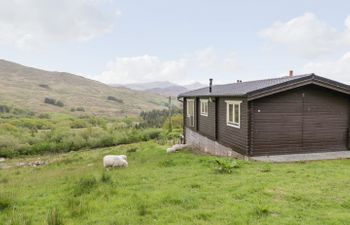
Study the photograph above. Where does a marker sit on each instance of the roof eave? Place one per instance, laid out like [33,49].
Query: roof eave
[213,96]
[313,79]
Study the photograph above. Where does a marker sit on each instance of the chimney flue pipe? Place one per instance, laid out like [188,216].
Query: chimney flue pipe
[210,85]
[291,73]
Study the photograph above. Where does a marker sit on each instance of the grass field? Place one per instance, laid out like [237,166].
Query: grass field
[179,188]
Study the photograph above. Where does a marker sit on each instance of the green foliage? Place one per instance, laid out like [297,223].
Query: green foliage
[226,165]
[54,217]
[176,122]
[157,118]
[63,133]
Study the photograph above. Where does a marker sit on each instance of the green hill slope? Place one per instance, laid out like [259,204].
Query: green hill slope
[27,88]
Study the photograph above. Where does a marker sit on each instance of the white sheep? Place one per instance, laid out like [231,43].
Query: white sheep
[115,161]
[176,147]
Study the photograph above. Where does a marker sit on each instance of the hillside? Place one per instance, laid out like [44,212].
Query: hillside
[27,88]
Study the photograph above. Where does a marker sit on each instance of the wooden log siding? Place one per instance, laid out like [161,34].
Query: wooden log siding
[206,124]
[306,119]
[235,138]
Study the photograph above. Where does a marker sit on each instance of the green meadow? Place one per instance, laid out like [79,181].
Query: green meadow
[178,188]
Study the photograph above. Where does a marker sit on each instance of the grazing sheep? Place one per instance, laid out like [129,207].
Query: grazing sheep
[176,147]
[115,161]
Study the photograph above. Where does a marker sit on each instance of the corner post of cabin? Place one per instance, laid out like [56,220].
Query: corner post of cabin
[184,118]
[250,128]
[196,108]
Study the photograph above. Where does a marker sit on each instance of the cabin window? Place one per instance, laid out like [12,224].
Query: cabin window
[233,113]
[204,107]
[190,112]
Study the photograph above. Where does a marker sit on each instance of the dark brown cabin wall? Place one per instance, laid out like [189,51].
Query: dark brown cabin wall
[306,119]
[235,138]
[206,124]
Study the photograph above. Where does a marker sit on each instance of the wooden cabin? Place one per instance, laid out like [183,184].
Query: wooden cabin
[287,115]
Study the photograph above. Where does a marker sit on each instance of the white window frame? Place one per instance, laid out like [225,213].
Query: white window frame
[188,112]
[204,109]
[187,107]
[233,123]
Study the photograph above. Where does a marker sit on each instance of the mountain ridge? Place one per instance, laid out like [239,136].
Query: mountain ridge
[27,87]
[164,88]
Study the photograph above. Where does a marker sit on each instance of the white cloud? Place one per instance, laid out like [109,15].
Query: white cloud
[142,69]
[338,70]
[308,36]
[148,68]
[24,23]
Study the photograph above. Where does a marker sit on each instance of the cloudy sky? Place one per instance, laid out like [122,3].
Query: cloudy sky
[181,40]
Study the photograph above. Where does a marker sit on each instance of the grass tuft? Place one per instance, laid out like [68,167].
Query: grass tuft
[261,211]
[54,217]
[77,207]
[6,201]
[85,186]
[226,165]
[266,168]
[106,178]
[143,210]
[19,219]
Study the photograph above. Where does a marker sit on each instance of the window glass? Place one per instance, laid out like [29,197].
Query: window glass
[230,113]
[204,107]
[236,113]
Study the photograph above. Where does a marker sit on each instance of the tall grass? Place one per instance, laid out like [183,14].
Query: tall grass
[54,217]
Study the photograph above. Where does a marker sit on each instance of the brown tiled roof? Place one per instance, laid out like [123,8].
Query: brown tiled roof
[245,89]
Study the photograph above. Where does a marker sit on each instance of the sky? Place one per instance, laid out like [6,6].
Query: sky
[181,41]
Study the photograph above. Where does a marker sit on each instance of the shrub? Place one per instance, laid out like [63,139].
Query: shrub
[226,166]
[8,142]
[53,101]
[54,217]
[4,109]
[80,109]
[150,134]
[112,98]
[78,123]
[44,86]
[59,103]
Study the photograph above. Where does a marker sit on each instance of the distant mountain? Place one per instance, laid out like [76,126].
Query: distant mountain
[38,91]
[194,86]
[146,86]
[165,88]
